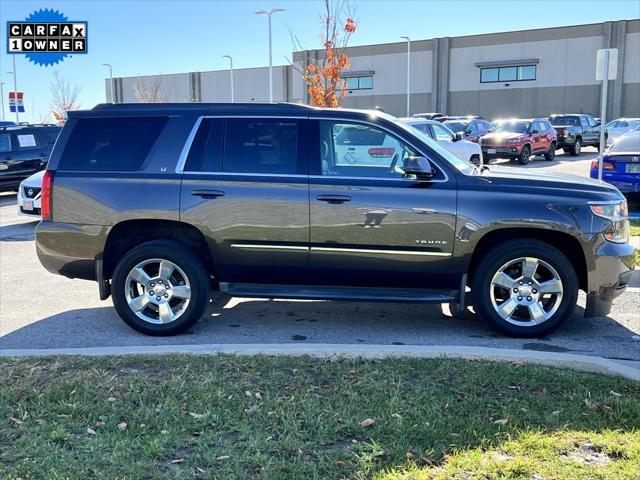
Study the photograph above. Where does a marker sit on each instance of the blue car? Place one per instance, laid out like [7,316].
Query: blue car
[621,163]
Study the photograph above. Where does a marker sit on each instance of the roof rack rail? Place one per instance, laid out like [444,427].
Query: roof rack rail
[117,106]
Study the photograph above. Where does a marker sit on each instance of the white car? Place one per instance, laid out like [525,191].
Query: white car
[617,128]
[463,149]
[29,195]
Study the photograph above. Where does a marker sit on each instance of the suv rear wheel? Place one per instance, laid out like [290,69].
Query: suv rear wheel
[525,288]
[551,153]
[160,288]
[576,148]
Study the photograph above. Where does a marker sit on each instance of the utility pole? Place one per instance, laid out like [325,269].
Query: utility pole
[231,72]
[408,74]
[15,87]
[113,97]
[2,98]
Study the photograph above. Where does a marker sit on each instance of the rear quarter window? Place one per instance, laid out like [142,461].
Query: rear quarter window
[110,143]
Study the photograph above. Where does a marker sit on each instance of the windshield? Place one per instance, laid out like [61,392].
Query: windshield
[461,165]
[508,126]
[457,126]
[565,121]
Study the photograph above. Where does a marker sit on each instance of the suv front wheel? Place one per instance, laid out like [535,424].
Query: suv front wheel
[525,288]
[160,288]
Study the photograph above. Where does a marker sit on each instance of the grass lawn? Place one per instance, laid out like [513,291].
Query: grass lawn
[227,417]
[635,227]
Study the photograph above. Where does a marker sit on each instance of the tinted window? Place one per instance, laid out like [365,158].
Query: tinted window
[206,151]
[5,142]
[563,121]
[457,126]
[49,135]
[584,122]
[592,121]
[261,146]
[344,151]
[121,143]
[627,143]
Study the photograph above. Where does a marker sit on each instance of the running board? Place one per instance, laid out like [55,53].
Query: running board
[324,292]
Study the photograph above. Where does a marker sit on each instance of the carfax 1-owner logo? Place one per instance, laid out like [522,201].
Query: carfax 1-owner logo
[46,37]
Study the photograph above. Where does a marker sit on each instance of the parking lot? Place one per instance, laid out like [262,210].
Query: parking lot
[42,310]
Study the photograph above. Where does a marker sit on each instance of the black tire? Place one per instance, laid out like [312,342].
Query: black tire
[566,150]
[525,155]
[576,148]
[186,261]
[475,159]
[502,254]
[551,153]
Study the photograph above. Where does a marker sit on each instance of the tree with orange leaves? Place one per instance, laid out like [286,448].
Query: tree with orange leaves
[325,85]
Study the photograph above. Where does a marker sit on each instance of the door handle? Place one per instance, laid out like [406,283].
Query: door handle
[208,193]
[334,199]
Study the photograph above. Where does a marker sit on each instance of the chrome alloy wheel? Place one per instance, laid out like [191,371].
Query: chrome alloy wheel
[526,291]
[157,291]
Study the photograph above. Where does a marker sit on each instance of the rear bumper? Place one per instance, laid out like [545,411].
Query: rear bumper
[624,183]
[609,273]
[70,250]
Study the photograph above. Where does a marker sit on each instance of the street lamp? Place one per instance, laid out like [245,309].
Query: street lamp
[268,13]
[113,98]
[231,72]
[2,98]
[408,74]
[15,87]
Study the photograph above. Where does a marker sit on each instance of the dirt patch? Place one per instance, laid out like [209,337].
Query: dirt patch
[588,454]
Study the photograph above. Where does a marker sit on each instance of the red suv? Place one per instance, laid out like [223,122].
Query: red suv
[520,139]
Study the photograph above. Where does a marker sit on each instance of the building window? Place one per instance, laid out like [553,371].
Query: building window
[508,74]
[358,83]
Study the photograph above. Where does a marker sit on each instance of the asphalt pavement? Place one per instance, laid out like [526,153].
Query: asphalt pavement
[41,310]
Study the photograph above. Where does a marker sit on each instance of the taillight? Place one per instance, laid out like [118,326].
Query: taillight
[45,196]
[381,152]
[605,165]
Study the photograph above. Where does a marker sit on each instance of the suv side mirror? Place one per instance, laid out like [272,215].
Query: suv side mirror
[457,136]
[418,166]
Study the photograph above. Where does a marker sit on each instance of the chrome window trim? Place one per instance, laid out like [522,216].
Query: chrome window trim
[194,130]
[381,127]
[182,160]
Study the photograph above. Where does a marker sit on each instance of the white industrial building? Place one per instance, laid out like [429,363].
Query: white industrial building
[522,73]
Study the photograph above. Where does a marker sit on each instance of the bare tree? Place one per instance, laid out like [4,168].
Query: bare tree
[150,91]
[64,95]
[323,76]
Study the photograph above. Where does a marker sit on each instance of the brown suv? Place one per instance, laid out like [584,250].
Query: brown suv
[519,140]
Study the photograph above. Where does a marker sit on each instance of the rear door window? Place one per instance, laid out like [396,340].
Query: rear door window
[206,151]
[111,143]
[268,146]
[48,136]
[5,142]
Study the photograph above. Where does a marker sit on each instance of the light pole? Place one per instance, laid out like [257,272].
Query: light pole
[268,13]
[113,98]
[15,87]
[231,73]
[408,74]
[2,98]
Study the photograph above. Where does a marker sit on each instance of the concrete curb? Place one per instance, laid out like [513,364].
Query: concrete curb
[564,360]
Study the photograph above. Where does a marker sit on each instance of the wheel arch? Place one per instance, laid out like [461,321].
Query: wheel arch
[130,233]
[565,242]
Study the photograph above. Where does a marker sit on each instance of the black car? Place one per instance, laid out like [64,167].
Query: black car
[24,150]
[576,131]
[471,128]
[163,203]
